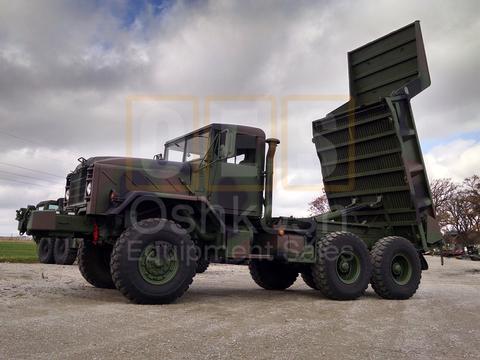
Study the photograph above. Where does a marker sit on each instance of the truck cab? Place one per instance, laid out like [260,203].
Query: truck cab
[227,165]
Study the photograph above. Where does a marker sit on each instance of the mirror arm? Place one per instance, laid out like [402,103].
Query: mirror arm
[212,145]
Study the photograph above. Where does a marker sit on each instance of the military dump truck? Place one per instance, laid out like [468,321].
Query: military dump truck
[146,224]
[60,250]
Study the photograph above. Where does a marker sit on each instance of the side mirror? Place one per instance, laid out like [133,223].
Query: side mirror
[158,157]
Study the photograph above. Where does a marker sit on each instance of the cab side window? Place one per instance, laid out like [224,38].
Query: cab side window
[245,150]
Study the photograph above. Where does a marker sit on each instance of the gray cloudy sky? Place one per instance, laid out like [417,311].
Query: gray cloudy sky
[67,69]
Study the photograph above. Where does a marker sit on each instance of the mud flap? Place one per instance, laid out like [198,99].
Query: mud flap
[423,261]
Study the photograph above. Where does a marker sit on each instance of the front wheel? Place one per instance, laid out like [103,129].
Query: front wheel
[94,264]
[397,270]
[153,262]
[202,265]
[343,267]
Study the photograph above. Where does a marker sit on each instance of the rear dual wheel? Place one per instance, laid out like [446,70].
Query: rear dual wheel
[342,270]
[397,270]
[56,251]
[64,251]
[343,267]
[45,248]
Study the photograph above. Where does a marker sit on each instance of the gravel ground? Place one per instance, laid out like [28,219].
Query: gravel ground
[50,312]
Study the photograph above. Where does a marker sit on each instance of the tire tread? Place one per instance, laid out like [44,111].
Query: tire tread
[319,270]
[378,277]
[265,276]
[119,282]
[86,269]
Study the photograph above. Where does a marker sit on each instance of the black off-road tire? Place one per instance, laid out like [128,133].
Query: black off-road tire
[45,250]
[307,277]
[272,275]
[126,261]
[331,249]
[63,252]
[94,264]
[383,282]
[202,265]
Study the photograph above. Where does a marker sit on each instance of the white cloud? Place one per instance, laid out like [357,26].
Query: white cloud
[15,56]
[66,69]
[456,160]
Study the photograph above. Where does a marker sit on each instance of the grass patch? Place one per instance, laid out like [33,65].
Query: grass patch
[18,251]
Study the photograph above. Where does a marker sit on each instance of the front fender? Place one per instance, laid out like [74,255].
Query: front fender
[134,196]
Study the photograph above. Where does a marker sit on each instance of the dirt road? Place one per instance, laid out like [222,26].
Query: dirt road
[49,311]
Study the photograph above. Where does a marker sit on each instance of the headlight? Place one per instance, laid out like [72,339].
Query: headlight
[88,189]
[67,195]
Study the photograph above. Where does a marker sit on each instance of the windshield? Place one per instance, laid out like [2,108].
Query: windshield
[174,151]
[47,207]
[193,148]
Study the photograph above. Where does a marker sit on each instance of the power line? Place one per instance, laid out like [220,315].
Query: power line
[28,141]
[33,170]
[22,182]
[21,138]
[25,176]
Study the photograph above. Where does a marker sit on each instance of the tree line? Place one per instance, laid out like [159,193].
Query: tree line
[458,208]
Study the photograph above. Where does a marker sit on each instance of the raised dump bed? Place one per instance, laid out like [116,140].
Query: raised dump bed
[369,148]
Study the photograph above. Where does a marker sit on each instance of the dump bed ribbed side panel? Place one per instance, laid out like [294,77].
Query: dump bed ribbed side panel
[369,148]
[372,152]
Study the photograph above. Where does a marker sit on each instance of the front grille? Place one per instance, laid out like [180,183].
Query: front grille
[77,187]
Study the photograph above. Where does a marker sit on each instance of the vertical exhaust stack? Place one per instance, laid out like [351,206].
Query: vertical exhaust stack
[272,147]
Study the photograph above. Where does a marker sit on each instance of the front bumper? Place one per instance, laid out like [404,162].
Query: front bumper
[53,224]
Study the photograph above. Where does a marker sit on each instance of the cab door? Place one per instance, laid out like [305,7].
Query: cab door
[236,178]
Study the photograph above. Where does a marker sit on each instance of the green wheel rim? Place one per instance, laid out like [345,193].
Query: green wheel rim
[348,267]
[401,269]
[158,264]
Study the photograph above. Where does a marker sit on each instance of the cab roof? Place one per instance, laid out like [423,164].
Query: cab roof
[246,130]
